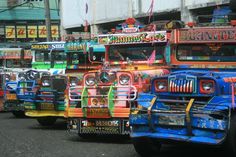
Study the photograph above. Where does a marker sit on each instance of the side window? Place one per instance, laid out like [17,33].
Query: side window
[39,56]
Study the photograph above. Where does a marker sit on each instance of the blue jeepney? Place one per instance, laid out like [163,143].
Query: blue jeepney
[193,103]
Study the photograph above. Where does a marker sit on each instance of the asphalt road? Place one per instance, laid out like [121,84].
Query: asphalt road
[25,138]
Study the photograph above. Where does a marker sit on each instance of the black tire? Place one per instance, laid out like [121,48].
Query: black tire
[46,121]
[145,147]
[19,114]
[231,137]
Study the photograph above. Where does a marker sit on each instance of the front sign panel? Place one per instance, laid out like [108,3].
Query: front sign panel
[142,37]
[212,35]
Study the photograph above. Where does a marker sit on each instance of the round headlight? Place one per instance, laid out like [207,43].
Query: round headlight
[207,86]
[45,83]
[124,79]
[21,76]
[73,81]
[7,77]
[161,86]
[90,81]
[32,75]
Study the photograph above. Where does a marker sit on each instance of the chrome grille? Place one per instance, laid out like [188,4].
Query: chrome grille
[181,86]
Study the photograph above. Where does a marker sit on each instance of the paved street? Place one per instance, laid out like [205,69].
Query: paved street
[25,138]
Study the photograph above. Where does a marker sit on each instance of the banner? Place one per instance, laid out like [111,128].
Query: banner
[10,32]
[42,32]
[21,31]
[32,32]
[55,31]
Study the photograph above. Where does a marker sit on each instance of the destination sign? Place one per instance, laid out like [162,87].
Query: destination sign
[75,46]
[141,37]
[49,46]
[207,35]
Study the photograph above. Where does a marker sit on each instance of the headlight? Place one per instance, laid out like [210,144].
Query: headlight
[207,86]
[161,85]
[74,81]
[7,77]
[45,83]
[90,81]
[124,79]
[21,76]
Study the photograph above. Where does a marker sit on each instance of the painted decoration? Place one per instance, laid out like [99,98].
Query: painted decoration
[142,37]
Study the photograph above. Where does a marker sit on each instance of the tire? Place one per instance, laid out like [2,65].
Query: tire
[19,114]
[231,137]
[46,121]
[145,147]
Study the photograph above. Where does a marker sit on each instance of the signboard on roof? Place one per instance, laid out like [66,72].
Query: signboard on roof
[209,35]
[10,53]
[30,31]
[141,37]
[75,46]
[48,46]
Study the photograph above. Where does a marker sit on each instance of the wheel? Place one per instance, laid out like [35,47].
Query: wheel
[231,137]
[18,114]
[46,121]
[145,147]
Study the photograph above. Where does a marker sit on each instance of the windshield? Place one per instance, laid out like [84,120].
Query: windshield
[44,56]
[137,52]
[59,56]
[80,58]
[16,63]
[207,52]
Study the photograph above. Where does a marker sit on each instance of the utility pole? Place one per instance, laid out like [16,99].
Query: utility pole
[48,20]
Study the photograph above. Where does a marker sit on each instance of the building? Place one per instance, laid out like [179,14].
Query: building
[99,15]
[23,21]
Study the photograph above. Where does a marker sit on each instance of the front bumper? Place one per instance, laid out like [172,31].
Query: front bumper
[35,113]
[14,106]
[110,126]
[79,113]
[44,109]
[201,127]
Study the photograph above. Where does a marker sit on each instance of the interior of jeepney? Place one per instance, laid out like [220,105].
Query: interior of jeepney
[137,53]
[49,58]
[207,54]
[81,59]
[15,58]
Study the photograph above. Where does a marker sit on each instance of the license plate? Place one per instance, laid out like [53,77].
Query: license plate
[46,106]
[11,97]
[100,126]
[98,113]
[172,120]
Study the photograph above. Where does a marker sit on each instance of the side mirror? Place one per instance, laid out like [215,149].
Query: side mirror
[91,53]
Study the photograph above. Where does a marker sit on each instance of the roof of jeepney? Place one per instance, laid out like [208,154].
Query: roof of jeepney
[51,42]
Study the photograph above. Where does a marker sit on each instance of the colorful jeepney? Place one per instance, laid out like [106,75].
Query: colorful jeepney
[193,103]
[101,105]
[50,102]
[48,59]
[14,61]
